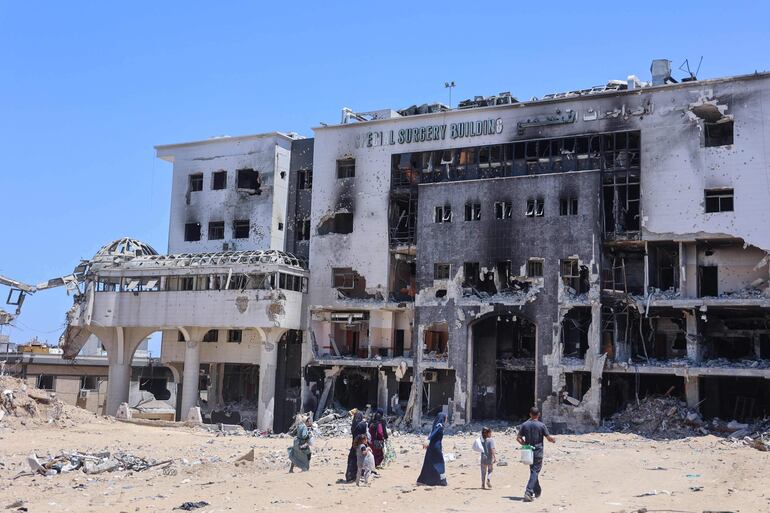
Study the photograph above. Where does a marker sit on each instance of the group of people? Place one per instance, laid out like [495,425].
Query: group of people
[370,446]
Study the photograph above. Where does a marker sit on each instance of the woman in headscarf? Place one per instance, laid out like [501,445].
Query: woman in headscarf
[378,432]
[433,469]
[300,452]
[357,429]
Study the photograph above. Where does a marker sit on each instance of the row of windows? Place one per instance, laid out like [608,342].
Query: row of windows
[246,179]
[608,151]
[216,231]
[213,336]
[269,281]
[48,381]
[504,210]
[569,270]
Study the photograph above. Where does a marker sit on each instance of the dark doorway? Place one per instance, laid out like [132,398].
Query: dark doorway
[288,378]
[503,366]
[399,349]
[355,388]
[742,399]
[516,394]
[709,280]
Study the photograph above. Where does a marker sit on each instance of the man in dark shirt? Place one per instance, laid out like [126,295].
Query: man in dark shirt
[532,433]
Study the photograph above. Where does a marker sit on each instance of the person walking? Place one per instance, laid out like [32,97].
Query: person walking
[378,434]
[358,428]
[300,451]
[532,432]
[365,462]
[433,469]
[488,458]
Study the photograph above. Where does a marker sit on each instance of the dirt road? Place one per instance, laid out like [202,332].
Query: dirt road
[591,473]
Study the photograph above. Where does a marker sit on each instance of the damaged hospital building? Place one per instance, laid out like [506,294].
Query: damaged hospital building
[574,251]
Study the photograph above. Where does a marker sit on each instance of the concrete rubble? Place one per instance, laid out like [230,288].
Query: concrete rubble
[663,418]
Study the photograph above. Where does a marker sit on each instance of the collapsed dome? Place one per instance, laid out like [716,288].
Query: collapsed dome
[125,247]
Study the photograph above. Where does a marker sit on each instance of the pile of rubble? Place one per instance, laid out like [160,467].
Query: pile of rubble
[664,417]
[96,463]
[23,406]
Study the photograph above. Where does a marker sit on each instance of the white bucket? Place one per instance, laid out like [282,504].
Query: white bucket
[527,455]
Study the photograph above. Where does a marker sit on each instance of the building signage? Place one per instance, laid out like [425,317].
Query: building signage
[464,129]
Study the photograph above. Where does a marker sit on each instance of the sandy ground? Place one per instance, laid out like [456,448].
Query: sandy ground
[592,473]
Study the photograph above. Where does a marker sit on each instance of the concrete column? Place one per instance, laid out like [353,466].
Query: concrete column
[692,391]
[119,379]
[382,390]
[268,361]
[646,268]
[190,376]
[694,350]
[120,344]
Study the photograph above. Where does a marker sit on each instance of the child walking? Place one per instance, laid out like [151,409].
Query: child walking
[488,458]
[365,458]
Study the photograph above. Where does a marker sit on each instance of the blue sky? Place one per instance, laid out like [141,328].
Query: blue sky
[87,90]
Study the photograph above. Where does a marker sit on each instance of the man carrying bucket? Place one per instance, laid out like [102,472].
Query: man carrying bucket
[532,433]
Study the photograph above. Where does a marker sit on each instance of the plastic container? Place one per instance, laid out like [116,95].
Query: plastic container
[527,455]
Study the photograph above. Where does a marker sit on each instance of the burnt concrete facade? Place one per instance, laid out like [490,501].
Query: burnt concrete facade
[489,241]
[612,232]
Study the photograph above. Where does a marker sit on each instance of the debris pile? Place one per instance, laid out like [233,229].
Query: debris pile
[664,417]
[24,406]
[95,463]
[658,417]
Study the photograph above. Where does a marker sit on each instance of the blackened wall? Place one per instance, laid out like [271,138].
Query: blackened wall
[299,199]
[552,237]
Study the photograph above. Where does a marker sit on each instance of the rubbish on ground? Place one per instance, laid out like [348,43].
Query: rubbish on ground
[95,463]
[189,506]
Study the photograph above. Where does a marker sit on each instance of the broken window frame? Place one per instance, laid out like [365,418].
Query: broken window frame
[568,207]
[195,182]
[504,273]
[443,214]
[503,210]
[535,267]
[719,133]
[216,230]
[302,229]
[241,229]
[346,168]
[343,278]
[42,382]
[211,336]
[89,383]
[235,336]
[718,200]
[218,180]
[471,273]
[192,232]
[305,179]
[248,179]
[441,271]
[473,211]
[570,273]
[535,208]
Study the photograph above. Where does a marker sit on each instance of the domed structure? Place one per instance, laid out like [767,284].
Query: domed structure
[125,247]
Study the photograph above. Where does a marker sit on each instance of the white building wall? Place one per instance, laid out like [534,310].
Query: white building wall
[366,249]
[268,154]
[676,168]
